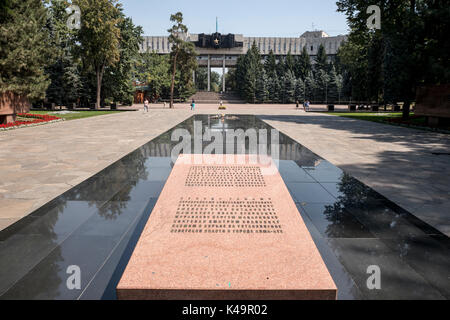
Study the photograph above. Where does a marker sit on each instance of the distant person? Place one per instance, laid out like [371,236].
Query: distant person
[308,104]
[193,104]
[146,105]
[297,104]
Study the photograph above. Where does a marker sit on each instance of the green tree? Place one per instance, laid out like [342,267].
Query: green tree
[182,56]
[231,80]
[215,81]
[99,37]
[24,49]
[321,60]
[154,70]
[273,88]
[288,90]
[249,69]
[278,89]
[299,90]
[322,82]
[201,79]
[281,67]
[270,65]
[5,9]
[64,73]
[353,57]
[334,86]
[187,64]
[118,79]
[289,63]
[310,87]
[413,42]
[262,92]
[303,65]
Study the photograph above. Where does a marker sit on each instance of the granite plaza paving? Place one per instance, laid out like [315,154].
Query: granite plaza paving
[38,164]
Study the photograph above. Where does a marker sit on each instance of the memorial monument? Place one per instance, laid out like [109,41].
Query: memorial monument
[434,103]
[225,232]
[10,105]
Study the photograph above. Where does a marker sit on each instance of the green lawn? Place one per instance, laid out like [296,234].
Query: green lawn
[77,115]
[417,122]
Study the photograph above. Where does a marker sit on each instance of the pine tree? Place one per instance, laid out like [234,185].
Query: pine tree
[321,60]
[281,67]
[299,90]
[288,91]
[250,87]
[322,82]
[274,88]
[289,64]
[334,86]
[270,65]
[252,69]
[24,49]
[262,92]
[310,85]
[303,65]
[241,69]
[5,9]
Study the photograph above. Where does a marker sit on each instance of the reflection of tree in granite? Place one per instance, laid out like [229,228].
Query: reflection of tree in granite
[126,175]
[352,193]
[51,218]
[112,209]
[45,285]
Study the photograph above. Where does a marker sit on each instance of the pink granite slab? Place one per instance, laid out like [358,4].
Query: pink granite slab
[214,234]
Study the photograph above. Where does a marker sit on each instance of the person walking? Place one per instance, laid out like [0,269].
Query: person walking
[146,105]
[307,105]
[193,105]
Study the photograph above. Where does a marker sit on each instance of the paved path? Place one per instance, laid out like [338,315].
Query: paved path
[38,164]
[397,162]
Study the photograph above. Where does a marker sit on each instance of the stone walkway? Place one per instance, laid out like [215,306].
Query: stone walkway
[38,164]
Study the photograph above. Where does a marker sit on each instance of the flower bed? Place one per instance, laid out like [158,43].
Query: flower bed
[37,119]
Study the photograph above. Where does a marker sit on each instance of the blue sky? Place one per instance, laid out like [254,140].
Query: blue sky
[282,18]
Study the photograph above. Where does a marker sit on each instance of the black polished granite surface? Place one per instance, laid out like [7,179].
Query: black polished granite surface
[97,224]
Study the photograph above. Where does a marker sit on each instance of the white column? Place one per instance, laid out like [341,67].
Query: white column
[209,73]
[223,74]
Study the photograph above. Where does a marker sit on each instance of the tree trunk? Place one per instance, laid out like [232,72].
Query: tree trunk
[99,70]
[172,86]
[406,109]
[411,48]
